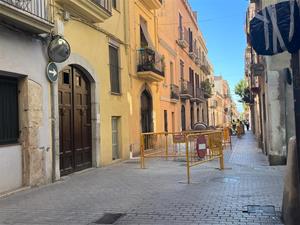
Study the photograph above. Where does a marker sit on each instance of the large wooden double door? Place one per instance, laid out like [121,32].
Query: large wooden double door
[74,121]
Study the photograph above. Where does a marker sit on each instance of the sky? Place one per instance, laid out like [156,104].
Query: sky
[222,23]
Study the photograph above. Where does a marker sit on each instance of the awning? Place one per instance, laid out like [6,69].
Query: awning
[158,57]
[276,29]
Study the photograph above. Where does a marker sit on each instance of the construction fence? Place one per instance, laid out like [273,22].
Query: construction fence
[194,147]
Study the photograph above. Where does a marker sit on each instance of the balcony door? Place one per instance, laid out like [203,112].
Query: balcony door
[146,112]
[192,81]
[183,121]
[74,95]
[192,117]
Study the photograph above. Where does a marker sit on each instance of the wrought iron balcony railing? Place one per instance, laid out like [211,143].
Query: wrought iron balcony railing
[150,61]
[174,92]
[199,93]
[42,9]
[183,37]
[186,89]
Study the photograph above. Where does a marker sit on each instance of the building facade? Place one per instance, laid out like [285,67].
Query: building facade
[270,92]
[25,110]
[182,41]
[128,73]
[223,98]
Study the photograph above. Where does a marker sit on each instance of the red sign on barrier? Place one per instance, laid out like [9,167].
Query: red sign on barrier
[178,138]
[201,147]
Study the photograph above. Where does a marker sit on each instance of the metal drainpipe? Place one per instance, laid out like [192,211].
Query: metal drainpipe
[53,131]
[296,85]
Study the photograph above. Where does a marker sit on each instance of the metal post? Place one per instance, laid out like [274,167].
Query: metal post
[142,152]
[54,133]
[221,159]
[166,147]
[296,86]
[187,159]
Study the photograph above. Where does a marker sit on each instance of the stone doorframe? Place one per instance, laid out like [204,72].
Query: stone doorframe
[82,64]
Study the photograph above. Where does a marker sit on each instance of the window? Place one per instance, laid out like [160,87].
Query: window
[115,137]
[166,120]
[197,80]
[192,79]
[9,117]
[114,69]
[180,27]
[172,72]
[144,34]
[181,70]
[183,122]
[192,117]
[114,4]
[191,48]
[173,122]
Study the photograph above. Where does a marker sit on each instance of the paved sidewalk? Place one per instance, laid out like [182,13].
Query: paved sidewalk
[159,194]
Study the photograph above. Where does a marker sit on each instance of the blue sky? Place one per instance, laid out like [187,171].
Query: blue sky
[222,24]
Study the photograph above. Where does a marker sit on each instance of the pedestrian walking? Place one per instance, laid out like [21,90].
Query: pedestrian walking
[233,127]
[239,128]
[247,125]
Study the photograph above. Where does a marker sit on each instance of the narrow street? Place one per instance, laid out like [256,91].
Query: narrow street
[158,194]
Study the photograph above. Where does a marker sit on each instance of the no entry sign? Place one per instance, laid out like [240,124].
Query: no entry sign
[201,147]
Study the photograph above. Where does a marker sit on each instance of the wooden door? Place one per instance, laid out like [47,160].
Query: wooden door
[75,121]
[146,112]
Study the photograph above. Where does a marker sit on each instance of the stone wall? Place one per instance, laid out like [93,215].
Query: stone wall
[25,58]
[31,113]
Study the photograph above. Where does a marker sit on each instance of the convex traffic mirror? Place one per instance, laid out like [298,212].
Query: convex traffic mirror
[59,49]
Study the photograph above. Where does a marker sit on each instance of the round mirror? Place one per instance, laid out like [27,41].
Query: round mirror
[59,50]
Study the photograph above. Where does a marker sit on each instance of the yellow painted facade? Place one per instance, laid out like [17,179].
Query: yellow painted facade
[90,34]
[150,59]
[224,105]
[147,81]
[184,48]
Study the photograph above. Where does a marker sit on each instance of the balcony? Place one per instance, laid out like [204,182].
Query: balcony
[150,65]
[95,11]
[206,94]
[152,4]
[174,93]
[192,55]
[198,95]
[214,104]
[183,37]
[186,91]
[255,87]
[198,61]
[34,16]
[205,67]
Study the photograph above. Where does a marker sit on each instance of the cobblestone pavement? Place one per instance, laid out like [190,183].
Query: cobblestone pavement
[159,194]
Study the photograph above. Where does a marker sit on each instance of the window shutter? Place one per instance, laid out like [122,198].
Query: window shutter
[114,69]
[9,117]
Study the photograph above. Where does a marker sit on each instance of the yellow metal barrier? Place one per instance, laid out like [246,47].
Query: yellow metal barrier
[212,148]
[194,147]
[162,145]
[227,137]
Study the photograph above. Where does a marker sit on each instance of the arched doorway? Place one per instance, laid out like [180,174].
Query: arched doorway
[183,123]
[146,112]
[192,117]
[74,98]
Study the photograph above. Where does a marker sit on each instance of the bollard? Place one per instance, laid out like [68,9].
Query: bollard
[222,160]
[187,159]
[142,152]
[166,147]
